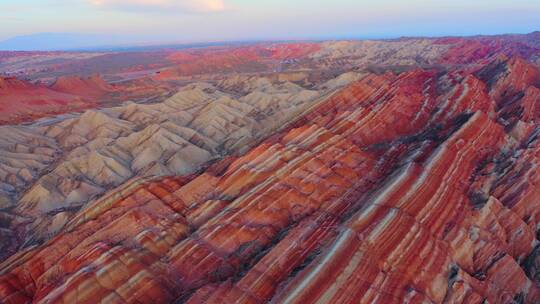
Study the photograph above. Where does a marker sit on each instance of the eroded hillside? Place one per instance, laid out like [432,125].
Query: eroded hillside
[355,185]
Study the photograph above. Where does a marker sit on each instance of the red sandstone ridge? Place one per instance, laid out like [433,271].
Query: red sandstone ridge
[531,105]
[293,50]
[21,100]
[482,49]
[93,86]
[10,84]
[24,101]
[258,58]
[512,83]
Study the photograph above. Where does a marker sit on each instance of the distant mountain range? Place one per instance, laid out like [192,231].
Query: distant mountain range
[96,42]
[112,42]
[60,41]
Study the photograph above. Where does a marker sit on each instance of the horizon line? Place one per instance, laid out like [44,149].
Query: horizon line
[147,45]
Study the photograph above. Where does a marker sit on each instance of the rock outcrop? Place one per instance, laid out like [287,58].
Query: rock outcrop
[400,188]
[93,86]
[51,169]
[82,80]
[22,101]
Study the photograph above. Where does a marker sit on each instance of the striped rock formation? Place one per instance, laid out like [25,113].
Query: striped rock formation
[49,170]
[400,188]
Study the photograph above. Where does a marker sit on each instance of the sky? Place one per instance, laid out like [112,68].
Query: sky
[156,21]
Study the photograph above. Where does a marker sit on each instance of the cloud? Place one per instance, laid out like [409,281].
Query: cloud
[176,5]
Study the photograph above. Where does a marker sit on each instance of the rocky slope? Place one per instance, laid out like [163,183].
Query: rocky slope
[93,86]
[24,101]
[400,171]
[78,81]
[413,187]
[51,169]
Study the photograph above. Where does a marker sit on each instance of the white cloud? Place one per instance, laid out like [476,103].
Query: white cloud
[177,5]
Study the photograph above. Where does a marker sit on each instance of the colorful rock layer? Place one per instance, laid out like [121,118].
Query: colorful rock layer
[409,188]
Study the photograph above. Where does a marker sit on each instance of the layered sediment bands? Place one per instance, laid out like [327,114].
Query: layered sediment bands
[400,188]
[530,104]
[93,86]
[483,49]
[49,170]
[255,58]
[406,251]
[513,85]
[374,54]
[22,101]
[61,81]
